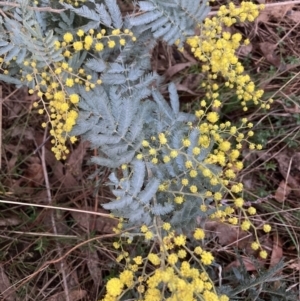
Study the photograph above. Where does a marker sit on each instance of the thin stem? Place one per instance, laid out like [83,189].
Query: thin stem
[1,101]
[48,190]
[57,207]
[47,9]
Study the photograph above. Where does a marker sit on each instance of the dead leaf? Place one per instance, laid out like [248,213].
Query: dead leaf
[19,131]
[247,262]
[74,295]
[277,252]
[279,11]
[6,289]
[295,265]
[190,84]
[227,234]
[282,191]
[289,167]
[244,50]
[189,57]
[11,164]
[171,71]
[268,50]
[58,169]
[263,17]
[75,159]
[184,88]
[66,180]
[17,102]
[34,173]
[15,151]
[93,266]
[293,16]
[13,220]
[71,274]
[276,12]
[101,223]
[294,109]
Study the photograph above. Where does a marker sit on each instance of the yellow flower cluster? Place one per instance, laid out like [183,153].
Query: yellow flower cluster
[93,41]
[177,268]
[60,106]
[158,150]
[247,11]
[216,48]
[51,83]
[225,142]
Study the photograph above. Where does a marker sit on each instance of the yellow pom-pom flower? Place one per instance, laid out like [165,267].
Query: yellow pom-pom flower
[114,287]
[212,117]
[154,259]
[263,254]
[199,234]
[68,37]
[255,246]
[206,258]
[267,228]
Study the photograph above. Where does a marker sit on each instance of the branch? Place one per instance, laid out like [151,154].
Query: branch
[48,9]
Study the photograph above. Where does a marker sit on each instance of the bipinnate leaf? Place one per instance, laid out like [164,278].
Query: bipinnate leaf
[151,188]
[138,176]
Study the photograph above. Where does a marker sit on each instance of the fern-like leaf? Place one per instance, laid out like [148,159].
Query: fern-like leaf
[151,188]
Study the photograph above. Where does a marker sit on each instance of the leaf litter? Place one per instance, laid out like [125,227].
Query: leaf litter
[68,180]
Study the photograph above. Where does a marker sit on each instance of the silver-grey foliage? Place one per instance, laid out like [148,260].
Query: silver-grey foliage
[128,107]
